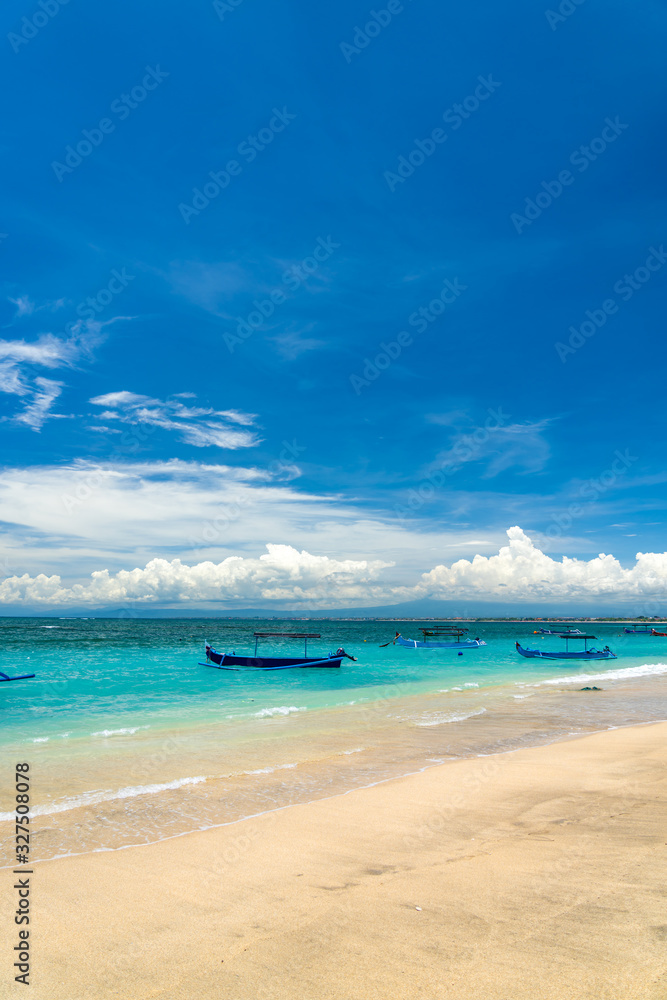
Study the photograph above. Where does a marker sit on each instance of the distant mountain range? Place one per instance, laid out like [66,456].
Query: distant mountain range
[407,610]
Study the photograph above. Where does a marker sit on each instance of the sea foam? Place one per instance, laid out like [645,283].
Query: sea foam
[441,720]
[119,732]
[623,673]
[268,713]
[93,798]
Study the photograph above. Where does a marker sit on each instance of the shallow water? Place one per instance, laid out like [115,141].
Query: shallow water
[130,741]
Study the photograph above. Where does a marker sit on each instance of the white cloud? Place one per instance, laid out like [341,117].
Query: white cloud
[501,446]
[282,574]
[188,421]
[18,358]
[24,307]
[36,412]
[292,344]
[79,517]
[48,351]
[522,571]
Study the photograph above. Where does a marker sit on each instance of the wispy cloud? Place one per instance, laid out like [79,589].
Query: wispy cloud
[18,358]
[292,344]
[520,446]
[196,425]
[37,412]
[24,307]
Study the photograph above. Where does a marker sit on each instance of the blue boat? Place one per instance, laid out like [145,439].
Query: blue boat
[640,629]
[438,637]
[560,631]
[579,654]
[230,661]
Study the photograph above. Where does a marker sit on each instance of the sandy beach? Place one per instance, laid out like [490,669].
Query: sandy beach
[533,874]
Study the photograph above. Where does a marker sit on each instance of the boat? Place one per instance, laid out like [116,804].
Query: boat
[653,632]
[639,629]
[579,654]
[21,677]
[432,639]
[546,631]
[230,661]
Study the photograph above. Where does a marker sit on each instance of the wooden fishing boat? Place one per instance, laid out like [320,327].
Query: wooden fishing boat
[653,632]
[567,654]
[439,637]
[562,631]
[639,629]
[230,661]
[21,677]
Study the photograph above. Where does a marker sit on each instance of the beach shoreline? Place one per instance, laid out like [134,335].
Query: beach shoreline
[531,873]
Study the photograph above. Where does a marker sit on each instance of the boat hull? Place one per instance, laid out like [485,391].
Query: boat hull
[228,661]
[542,654]
[415,644]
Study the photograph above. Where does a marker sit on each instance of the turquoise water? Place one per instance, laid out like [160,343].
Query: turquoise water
[130,740]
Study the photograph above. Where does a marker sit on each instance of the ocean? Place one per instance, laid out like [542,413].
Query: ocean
[130,741]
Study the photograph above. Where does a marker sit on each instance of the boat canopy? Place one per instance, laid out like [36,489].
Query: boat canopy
[286,635]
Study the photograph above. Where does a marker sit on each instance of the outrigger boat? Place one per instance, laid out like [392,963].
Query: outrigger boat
[433,635]
[21,677]
[640,629]
[562,631]
[653,632]
[580,654]
[230,661]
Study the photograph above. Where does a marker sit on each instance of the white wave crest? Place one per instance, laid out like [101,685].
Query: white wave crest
[623,673]
[268,713]
[119,732]
[441,720]
[92,798]
[270,770]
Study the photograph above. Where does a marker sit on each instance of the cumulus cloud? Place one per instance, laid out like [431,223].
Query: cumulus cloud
[281,574]
[196,425]
[522,571]
[285,575]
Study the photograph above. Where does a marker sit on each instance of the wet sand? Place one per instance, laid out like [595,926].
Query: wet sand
[533,874]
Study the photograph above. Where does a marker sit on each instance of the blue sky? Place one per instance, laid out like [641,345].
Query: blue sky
[499,169]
